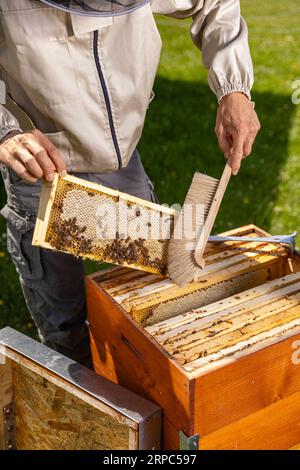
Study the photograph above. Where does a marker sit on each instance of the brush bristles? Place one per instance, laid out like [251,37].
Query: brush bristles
[202,191]
[182,266]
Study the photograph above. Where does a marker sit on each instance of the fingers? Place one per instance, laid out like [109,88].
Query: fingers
[53,154]
[45,164]
[45,154]
[224,142]
[237,122]
[242,147]
[20,169]
[247,150]
[255,128]
[32,156]
[237,152]
[29,162]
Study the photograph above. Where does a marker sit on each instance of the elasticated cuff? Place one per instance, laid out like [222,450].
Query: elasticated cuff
[4,131]
[233,88]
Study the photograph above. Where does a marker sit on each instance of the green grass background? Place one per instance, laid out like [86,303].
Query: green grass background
[179,135]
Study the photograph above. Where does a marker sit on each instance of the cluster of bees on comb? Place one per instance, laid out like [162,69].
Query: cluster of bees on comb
[132,252]
[68,236]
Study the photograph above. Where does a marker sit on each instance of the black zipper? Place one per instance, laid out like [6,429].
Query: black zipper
[106,98]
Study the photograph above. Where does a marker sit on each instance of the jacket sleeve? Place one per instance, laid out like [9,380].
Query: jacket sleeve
[8,123]
[222,35]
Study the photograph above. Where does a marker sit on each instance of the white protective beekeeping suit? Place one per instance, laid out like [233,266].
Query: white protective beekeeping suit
[97,7]
[83,70]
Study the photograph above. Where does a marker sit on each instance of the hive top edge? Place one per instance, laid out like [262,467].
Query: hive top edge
[97,7]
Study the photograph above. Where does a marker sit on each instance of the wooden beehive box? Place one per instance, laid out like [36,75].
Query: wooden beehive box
[49,402]
[223,370]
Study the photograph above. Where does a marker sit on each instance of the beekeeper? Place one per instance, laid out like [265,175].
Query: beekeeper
[81,72]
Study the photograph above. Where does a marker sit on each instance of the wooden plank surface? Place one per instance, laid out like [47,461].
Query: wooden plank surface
[213,337]
[296,447]
[124,354]
[276,427]
[48,417]
[6,397]
[154,302]
[170,435]
[196,338]
[173,327]
[245,386]
[92,401]
[45,206]
[142,295]
[76,408]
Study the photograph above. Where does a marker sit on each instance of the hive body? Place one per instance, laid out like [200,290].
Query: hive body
[219,357]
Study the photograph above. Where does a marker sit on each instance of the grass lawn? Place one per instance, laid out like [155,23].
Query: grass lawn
[179,135]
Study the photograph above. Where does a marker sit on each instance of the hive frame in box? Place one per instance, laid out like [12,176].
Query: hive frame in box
[150,255]
[250,399]
[150,299]
[48,401]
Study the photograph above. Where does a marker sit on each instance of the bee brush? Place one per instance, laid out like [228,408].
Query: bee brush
[190,237]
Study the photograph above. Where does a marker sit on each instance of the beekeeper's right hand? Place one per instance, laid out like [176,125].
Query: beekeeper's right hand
[31,156]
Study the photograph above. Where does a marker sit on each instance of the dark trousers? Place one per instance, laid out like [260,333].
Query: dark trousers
[53,282]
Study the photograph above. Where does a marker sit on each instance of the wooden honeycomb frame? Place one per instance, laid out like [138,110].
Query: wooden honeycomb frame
[219,330]
[67,221]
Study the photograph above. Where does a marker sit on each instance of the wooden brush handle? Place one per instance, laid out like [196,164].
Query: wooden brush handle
[208,225]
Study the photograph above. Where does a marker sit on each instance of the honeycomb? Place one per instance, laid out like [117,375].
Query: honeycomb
[95,222]
[205,335]
[230,269]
